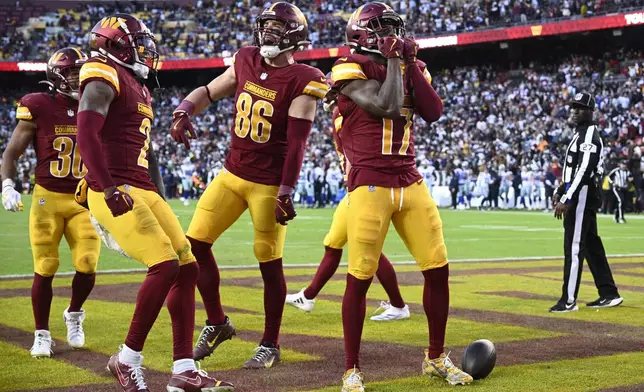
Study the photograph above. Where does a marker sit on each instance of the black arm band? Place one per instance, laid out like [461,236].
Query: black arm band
[208,93]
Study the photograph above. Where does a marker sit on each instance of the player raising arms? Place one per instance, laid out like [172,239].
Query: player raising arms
[336,238]
[275,102]
[377,102]
[114,124]
[49,121]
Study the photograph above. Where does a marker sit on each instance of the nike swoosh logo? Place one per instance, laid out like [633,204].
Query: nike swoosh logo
[121,378]
[216,337]
[442,373]
[269,364]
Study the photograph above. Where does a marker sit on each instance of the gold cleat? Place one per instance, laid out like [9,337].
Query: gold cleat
[353,381]
[444,368]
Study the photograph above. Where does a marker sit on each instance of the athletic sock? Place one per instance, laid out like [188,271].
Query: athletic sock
[387,277]
[436,305]
[82,286]
[181,305]
[274,297]
[41,296]
[327,268]
[208,281]
[354,307]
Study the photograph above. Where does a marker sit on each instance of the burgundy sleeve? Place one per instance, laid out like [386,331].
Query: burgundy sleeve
[90,124]
[427,103]
[297,132]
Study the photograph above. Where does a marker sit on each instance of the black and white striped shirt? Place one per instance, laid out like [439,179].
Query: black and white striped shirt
[619,178]
[583,162]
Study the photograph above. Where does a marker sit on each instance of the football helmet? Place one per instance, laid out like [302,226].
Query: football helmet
[293,36]
[62,71]
[127,41]
[370,22]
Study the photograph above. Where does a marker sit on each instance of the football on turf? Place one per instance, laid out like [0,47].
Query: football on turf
[479,359]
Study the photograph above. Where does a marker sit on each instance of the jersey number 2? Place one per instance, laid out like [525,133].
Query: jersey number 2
[388,133]
[250,116]
[69,160]
[145,127]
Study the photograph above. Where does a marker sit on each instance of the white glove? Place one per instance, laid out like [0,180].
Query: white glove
[106,237]
[10,197]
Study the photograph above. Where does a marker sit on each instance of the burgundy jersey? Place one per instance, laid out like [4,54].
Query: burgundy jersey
[263,98]
[380,150]
[337,142]
[126,134]
[59,166]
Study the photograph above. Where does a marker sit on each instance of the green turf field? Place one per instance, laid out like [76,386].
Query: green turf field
[505,302]
[468,234]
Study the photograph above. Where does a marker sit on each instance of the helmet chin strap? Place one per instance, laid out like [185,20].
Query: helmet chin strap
[272,51]
[139,69]
[73,94]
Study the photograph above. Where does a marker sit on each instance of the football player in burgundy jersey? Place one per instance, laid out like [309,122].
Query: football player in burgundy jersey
[114,123]
[381,85]
[275,102]
[48,120]
[336,238]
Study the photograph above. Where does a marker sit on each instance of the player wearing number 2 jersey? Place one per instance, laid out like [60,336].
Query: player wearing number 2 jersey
[114,124]
[380,88]
[275,102]
[48,120]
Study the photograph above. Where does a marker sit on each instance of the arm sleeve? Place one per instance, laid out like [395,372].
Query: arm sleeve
[90,125]
[427,103]
[589,158]
[297,132]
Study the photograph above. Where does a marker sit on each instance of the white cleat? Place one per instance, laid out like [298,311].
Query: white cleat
[300,301]
[42,344]
[391,313]
[75,333]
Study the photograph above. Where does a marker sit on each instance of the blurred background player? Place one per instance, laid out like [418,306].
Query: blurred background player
[274,112]
[49,121]
[114,123]
[336,239]
[620,179]
[187,170]
[377,101]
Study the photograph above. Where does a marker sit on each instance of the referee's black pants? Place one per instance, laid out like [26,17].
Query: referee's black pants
[620,200]
[582,241]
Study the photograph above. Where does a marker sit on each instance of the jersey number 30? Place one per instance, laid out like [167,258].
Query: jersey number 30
[251,118]
[69,160]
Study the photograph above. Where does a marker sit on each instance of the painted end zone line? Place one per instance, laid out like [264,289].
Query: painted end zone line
[291,266]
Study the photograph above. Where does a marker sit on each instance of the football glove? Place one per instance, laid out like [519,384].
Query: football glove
[284,209]
[391,47]
[106,237]
[81,193]
[10,197]
[119,203]
[182,130]
[410,50]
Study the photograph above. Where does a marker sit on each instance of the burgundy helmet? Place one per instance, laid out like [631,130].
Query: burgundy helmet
[370,22]
[125,39]
[63,68]
[294,35]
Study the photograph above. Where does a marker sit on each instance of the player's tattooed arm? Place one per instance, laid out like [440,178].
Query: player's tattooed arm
[20,139]
[93,107]
[222,86]
[155,172]
[381,100]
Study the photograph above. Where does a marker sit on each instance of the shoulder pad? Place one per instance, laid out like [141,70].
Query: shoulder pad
[100,68]
[29,105]
[349,68]
[314,81]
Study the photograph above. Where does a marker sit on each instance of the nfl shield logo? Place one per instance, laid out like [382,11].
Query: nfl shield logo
[372,188]
[263,76]
[70,113]
[41,201]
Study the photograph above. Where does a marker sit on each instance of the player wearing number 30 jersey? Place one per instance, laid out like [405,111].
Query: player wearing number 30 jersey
[275,103]
[380,88]
[114,125]
[48,120]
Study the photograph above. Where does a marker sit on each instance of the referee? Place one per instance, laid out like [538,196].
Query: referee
[576,201]
[619,179]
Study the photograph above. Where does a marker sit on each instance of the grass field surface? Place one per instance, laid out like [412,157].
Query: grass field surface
[504,301]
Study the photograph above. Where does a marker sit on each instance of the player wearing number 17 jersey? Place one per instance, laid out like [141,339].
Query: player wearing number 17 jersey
[48,120]
[114,124]
[380,88]
[275,103]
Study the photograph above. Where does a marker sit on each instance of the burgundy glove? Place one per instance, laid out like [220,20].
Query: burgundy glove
[391,47]
[410,50]
[119,203]
[284,209]
[182,129]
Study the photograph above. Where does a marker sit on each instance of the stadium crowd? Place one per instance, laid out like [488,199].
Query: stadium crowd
[217,28]
[499,139]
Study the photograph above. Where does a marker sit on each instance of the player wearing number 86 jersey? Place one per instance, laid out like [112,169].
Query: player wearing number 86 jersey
[114,125]
[275,103]
[48,121]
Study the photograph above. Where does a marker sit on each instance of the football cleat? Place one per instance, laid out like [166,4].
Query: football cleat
[442,367]
[300,301]
[264,358]
[211,337]
[353,381]
[197,381]
[42,344]
[391,313]
[562,307]
[130,377]
[75,333]
[605,302]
